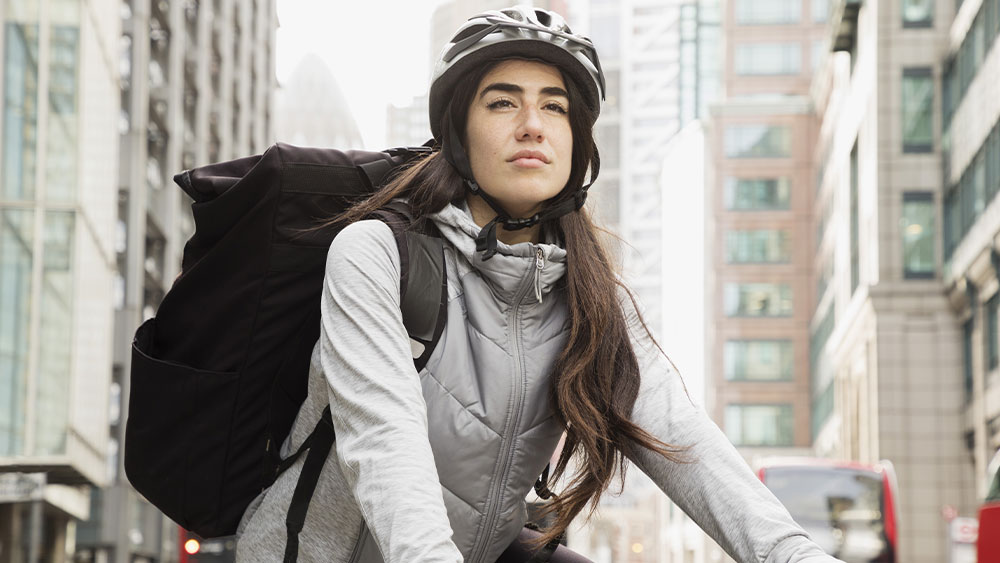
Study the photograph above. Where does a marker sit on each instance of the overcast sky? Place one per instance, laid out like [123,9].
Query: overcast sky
[378,52]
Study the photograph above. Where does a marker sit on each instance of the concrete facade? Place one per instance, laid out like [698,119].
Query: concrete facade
[196,84]
[888,378]
[743,374]
[57,206]
[971,165]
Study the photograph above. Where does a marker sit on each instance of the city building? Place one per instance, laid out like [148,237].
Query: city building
[903,142]
[970,178]
[759,251]
[408,125]
[312,110]
[57,263]
[195,82]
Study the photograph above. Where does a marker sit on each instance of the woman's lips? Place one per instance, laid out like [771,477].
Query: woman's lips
[528,162]
[529,159]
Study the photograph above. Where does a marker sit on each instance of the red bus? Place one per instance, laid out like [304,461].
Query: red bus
[988,542]
[848,508]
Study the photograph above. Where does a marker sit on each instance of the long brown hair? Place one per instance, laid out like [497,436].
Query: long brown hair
[595,380]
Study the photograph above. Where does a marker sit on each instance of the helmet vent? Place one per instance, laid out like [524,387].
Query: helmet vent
[543,18]
[513,14]
[471,30]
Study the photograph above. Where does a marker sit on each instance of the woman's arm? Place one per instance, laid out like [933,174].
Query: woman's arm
[716,489]
[376,401]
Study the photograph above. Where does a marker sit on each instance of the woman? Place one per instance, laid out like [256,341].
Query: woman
[540,339]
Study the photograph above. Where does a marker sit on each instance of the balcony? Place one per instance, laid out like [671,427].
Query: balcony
[844,24]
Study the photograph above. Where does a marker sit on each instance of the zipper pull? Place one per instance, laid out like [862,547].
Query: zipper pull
[539,264]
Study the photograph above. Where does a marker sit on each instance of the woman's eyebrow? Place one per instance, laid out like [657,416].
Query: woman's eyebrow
[515,89]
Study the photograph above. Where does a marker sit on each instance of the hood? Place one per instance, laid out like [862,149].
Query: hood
[507,270]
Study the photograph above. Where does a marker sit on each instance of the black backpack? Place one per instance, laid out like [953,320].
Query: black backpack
[219,373]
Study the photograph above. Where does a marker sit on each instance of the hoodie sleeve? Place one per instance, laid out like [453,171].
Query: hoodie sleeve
[376,400]
[716,487]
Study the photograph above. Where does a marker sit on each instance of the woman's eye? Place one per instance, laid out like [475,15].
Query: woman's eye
[501,103]
[556,108]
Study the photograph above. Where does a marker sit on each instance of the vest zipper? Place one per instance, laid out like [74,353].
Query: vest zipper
[508,451]
[539,264]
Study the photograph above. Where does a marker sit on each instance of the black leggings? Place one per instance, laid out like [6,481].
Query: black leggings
[519,552]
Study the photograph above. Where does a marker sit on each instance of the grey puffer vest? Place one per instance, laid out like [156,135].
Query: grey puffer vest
[487,384]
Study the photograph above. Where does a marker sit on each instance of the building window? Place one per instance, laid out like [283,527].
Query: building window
[967,356]
[991,150]
[757,194]
[855,222]
[822,409]
[20,111]
[61,163]
[949,94]
[977,174]
[768,59]
[952,222]
[765,246]
[760,425]
[56,312]
[768,12]
[990,332]
[16,263]
[758,360]
[757,300]
[918,235]
[820,11]
[918,98]
[758,141]
[918,13]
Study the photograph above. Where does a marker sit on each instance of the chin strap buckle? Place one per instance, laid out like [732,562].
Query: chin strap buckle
[523,223]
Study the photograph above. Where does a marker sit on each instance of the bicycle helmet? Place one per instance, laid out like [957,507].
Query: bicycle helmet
[517,32]
[520,31]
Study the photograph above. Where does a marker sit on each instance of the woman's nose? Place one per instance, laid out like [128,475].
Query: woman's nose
[530,126]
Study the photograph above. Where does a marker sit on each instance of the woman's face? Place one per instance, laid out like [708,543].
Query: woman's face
[519,141]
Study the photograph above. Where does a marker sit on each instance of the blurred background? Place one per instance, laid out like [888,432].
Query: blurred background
[804,189]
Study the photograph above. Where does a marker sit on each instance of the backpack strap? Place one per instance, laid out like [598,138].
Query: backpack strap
[422,265]
[319,443]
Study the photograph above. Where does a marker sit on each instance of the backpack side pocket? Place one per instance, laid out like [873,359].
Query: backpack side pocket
[176,435]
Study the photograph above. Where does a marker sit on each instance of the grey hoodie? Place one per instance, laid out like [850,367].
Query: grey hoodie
[434,466]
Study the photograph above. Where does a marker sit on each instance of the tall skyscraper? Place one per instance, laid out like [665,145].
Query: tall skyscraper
[57,205]
[657,59]
[312,111]
[895,316]
[891,317]
[196,82]
[970,152]
[759,252]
